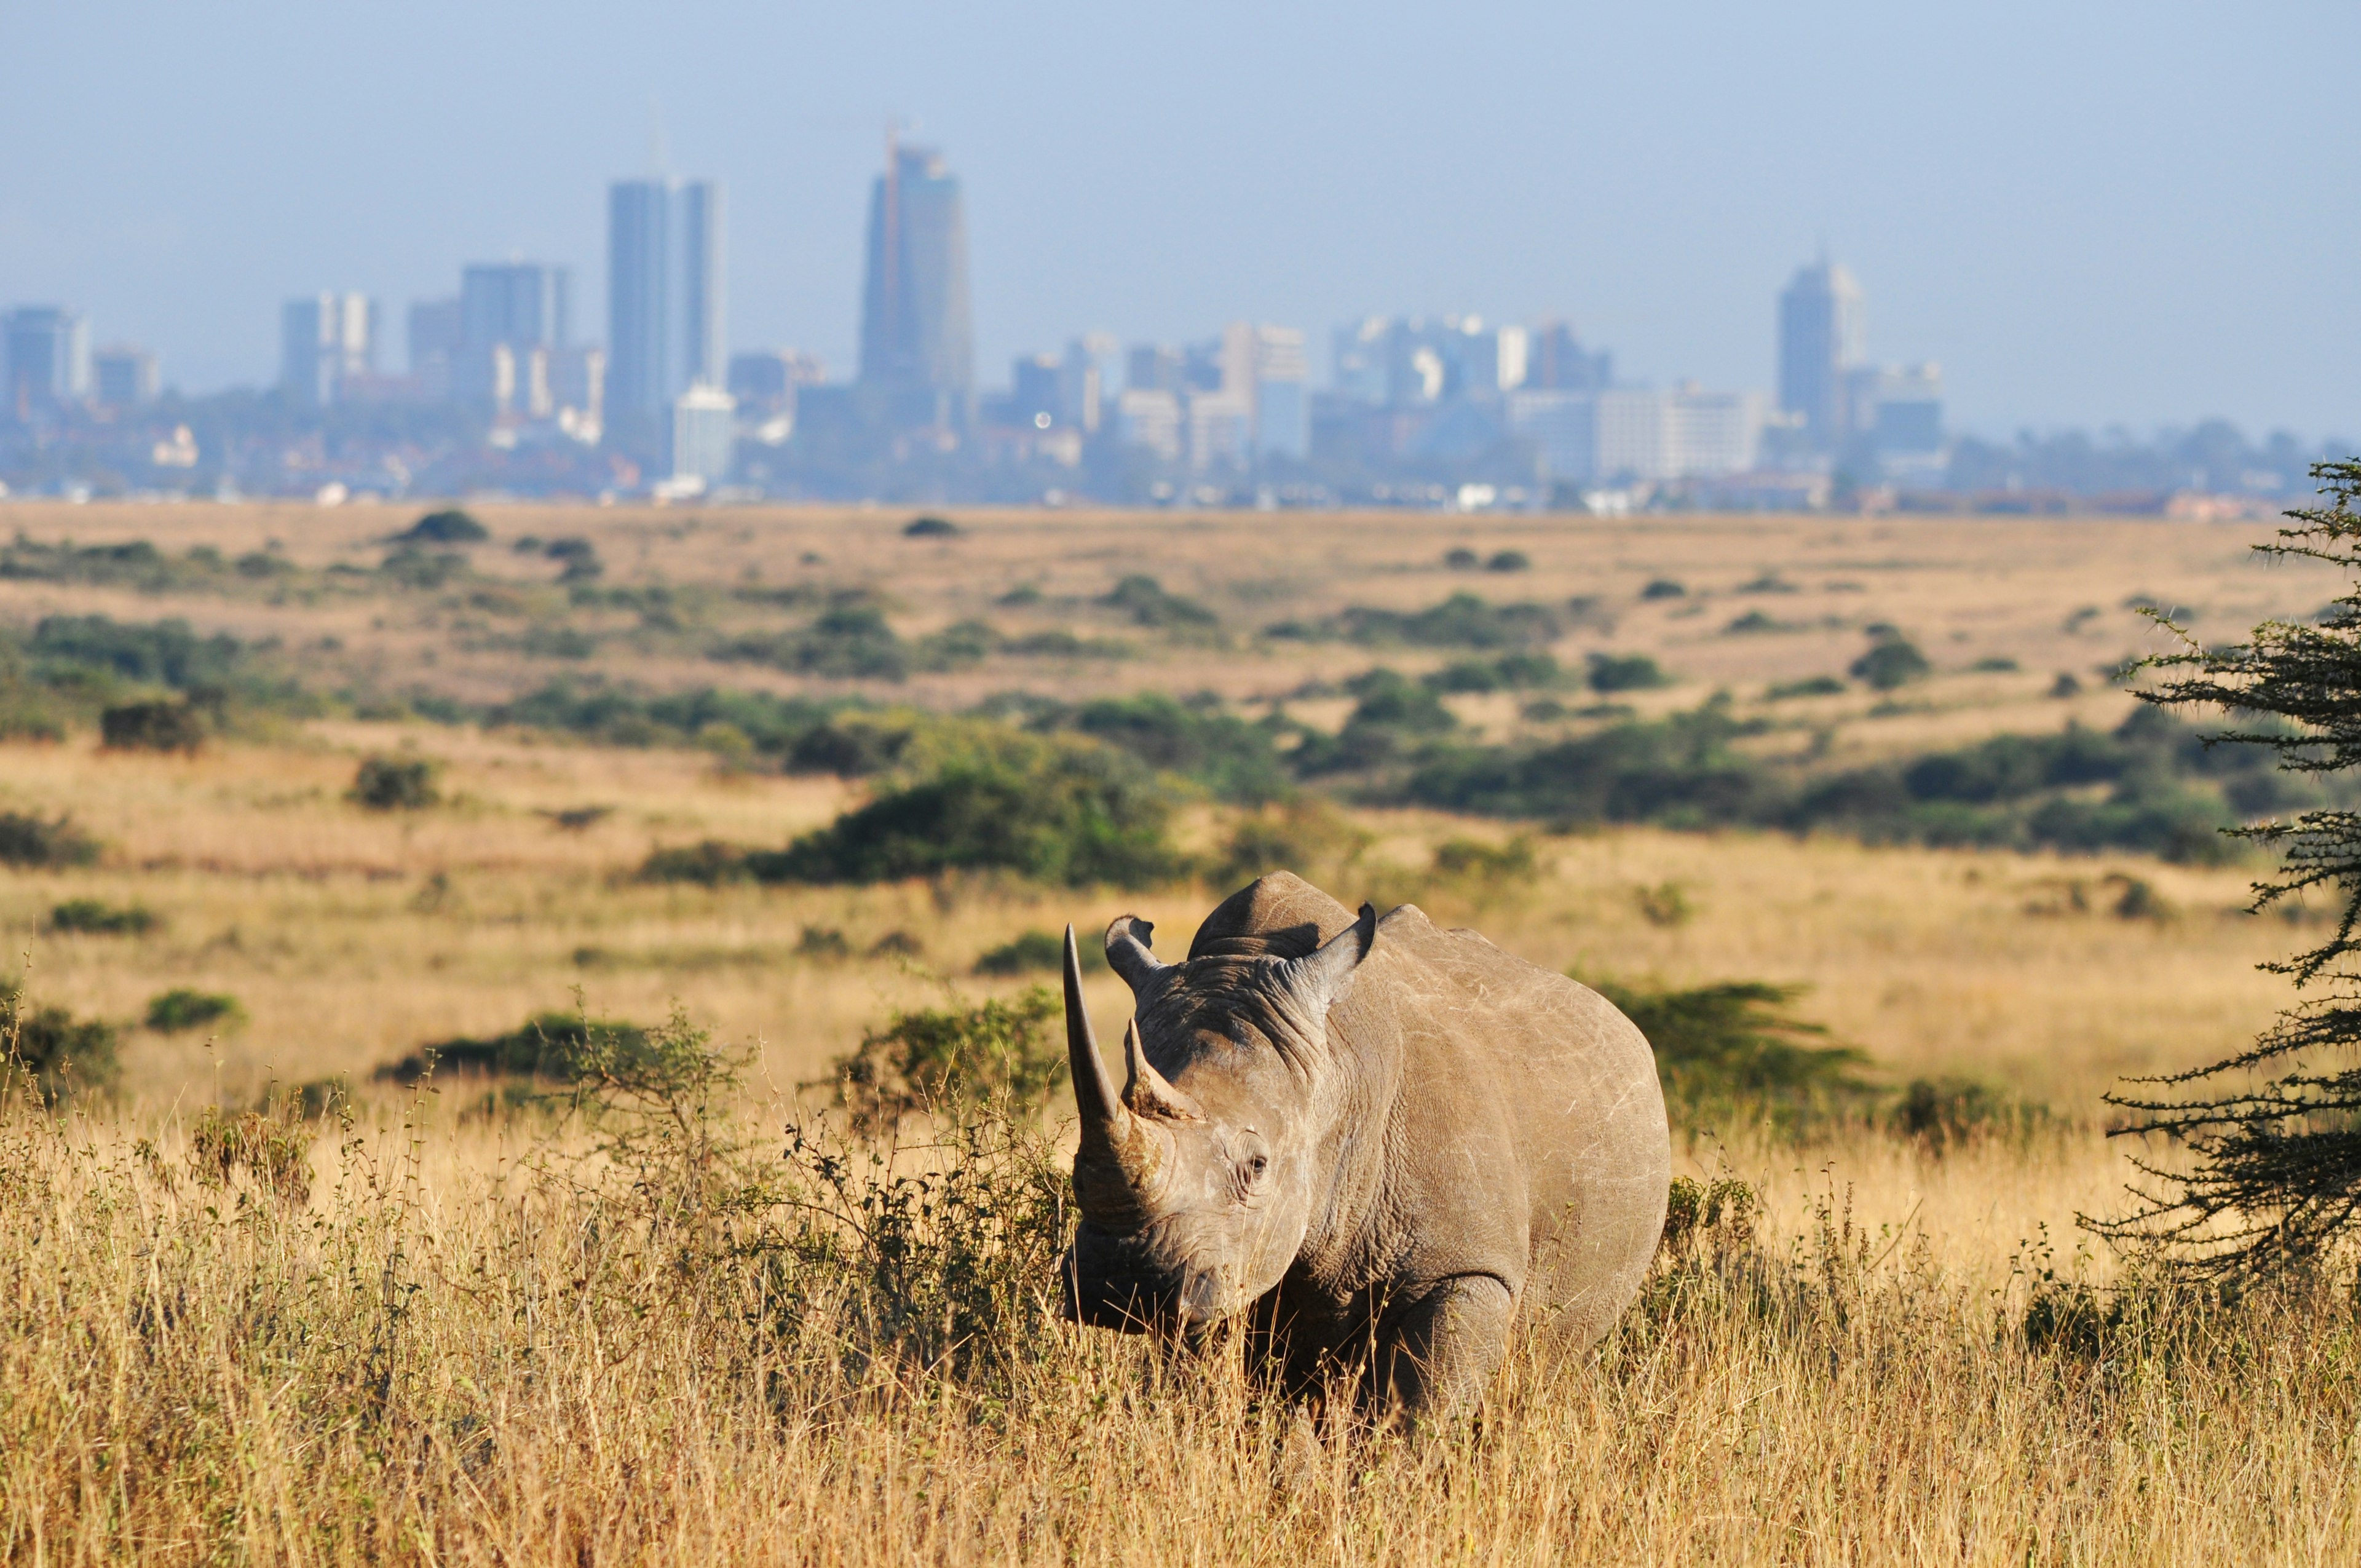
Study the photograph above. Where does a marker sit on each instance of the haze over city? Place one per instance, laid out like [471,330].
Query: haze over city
[2120,214]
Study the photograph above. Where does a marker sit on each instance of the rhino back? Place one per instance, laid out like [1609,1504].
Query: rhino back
[1490,1042]
[1525,1128]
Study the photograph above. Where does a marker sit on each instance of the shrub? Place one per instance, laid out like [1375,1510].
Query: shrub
[1626,673]
[152,727]
[96,918]
[1945,1113]
[931,527]
[182,1008]
[1148,603]
[1065,812]
[39,843]
[1816,686]
[712,864]
[449,526]
[1030,951]
[565,1048]
[165,652]
[1733,1048]
[1666,904]
[412,568]
[579,556]
[394,784]
[949,1059]
[1664,588]
[1509,561]
[1890,662]
[1472,861]
[60,1054]
[1463,620]
[1235,760]
[1309,836]
[822,942]
[1462,559]
[272,1144]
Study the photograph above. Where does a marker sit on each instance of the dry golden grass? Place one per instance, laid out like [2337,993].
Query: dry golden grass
[466,1348]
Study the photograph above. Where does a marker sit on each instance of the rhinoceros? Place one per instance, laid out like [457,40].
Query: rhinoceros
[1386,1142]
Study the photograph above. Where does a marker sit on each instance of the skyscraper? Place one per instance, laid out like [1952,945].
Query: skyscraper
[123,376]
[46,358]
[664,293]
[1820,339]
[513,317]
[917,335]
[324,339]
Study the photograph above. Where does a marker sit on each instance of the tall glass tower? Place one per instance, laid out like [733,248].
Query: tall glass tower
[1820,339]
[664,292]
[917,338]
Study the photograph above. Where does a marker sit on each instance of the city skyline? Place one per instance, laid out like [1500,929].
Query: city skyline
[2085,221]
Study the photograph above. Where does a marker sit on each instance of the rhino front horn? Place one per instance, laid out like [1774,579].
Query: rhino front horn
[1115,1169]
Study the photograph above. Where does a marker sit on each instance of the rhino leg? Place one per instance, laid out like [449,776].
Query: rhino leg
[1438,1356]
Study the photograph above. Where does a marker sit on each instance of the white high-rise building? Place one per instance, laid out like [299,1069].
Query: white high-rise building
[1638,433]
[325,339]
[704,438]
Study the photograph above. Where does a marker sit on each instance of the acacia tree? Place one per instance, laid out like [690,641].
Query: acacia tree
[2272,1135]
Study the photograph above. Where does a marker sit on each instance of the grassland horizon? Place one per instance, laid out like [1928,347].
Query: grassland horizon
[460,1320]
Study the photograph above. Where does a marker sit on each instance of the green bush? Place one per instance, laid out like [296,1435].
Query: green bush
[1509,561]
[1146,602]
[61,1055]
[952,1059]
[931,527]
[161,654]
[182,1008]
[394,784]
[152,727]
[43,843]
[1735,1049]
[1028,952]
[1816,686]
[565,1048]
[96,918]
[1463,620]
[1234,760]
[1664,588]
[1625,673]
[712,863]
[449,526]
[1056,811]
[1890,663]
[1945,1113]
[1309,836]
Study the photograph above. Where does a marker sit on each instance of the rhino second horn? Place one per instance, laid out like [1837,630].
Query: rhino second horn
[1146,1091]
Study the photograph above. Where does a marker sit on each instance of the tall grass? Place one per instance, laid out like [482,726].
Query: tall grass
[668,1332]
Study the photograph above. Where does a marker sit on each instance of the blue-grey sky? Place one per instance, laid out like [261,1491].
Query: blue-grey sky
[2087,213]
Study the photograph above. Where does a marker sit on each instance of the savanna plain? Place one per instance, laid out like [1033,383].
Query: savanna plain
[545,1060]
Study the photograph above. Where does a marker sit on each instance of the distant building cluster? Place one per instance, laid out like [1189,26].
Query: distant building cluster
[500,390]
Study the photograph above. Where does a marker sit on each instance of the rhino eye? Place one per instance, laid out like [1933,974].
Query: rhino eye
[1257,1164]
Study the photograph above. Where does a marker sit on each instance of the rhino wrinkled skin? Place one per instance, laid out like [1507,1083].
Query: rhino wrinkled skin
[1388,1144]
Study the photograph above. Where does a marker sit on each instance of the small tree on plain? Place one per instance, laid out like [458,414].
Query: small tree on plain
[2272,1135]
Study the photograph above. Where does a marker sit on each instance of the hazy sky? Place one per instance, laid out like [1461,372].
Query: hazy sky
[2086,212]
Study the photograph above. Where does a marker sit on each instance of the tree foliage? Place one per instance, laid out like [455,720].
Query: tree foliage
[2272,1135]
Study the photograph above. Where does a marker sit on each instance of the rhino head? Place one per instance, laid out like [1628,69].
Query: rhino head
[1197,1184]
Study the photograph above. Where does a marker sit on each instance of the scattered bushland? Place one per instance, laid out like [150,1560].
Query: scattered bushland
[183,1008]
[47,1050]
[96,918]
[394,784]
[29,841]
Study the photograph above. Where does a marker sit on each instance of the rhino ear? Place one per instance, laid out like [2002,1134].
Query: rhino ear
[1128,955]
[1319,978]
